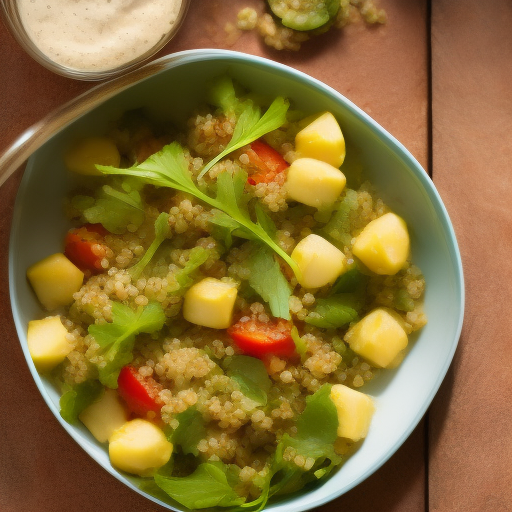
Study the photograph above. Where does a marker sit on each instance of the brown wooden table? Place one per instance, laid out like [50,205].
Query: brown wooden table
[438,76]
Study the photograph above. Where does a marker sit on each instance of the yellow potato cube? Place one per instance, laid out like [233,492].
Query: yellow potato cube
[314,182]
[47,342]
[210,303]
[105,415]
[83,157]
[319,262]
[378,337]
[355,411]
[139,447]
[322,139]
[383,245]
[55,279]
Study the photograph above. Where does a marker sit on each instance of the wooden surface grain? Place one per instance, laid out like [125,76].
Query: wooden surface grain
[455,65]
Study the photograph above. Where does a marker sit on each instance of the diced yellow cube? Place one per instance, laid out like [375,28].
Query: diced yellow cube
[55,279]
[319,261]
[47,342]
[314,182]
[322,139]
[105,415]
[355,411]
[139,447]
[378,337]
[210,303]
[83,157]
[383,245]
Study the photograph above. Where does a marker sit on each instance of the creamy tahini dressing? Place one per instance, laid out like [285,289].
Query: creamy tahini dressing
[96,35]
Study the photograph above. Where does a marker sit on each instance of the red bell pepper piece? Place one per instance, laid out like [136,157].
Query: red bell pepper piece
[141,394]
[266,160]
[85,247]
[259,339]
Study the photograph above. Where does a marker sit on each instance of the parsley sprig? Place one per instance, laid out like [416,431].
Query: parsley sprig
[169,168]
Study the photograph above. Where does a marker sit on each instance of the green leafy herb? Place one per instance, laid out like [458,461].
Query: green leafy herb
[269,282]
[403,301]
[251,125]
[198,255]
[335,311]
[207,486]
[116,339]
[252,377]
[162,231]
[317,429]
[77,398]
[190,431]
[169,168]
[114,209]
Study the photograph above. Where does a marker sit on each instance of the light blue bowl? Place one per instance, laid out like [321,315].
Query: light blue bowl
[403,395]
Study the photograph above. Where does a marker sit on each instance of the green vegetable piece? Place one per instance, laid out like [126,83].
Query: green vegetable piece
[207,486]
[190,431]
[337,230]
[77,398]
[403,301]
[116,339]
[268,281]
[251,375]
[335,311]
[307,15]
[251,126]
[169,168]
[162,231]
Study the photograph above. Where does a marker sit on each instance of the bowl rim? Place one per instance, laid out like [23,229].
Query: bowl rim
[165,64]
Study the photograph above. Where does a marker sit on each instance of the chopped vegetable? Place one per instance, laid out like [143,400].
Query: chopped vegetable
[337,229]
[141,394]
[169,168]
[139,447]
[198,255]
[105,415]
[116,339]
[47,342]
[54,280]
[86,153]
[355,411]
[320,263]
[322,139]
[210,303]
[267,162]
[259,339]
[304,15]
[383,245]
[378,337]
[314,183]
[85,247]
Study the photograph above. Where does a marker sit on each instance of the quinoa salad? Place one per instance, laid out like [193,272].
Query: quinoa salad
[227,289]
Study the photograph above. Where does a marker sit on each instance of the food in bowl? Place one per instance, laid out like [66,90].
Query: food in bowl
[217,309]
